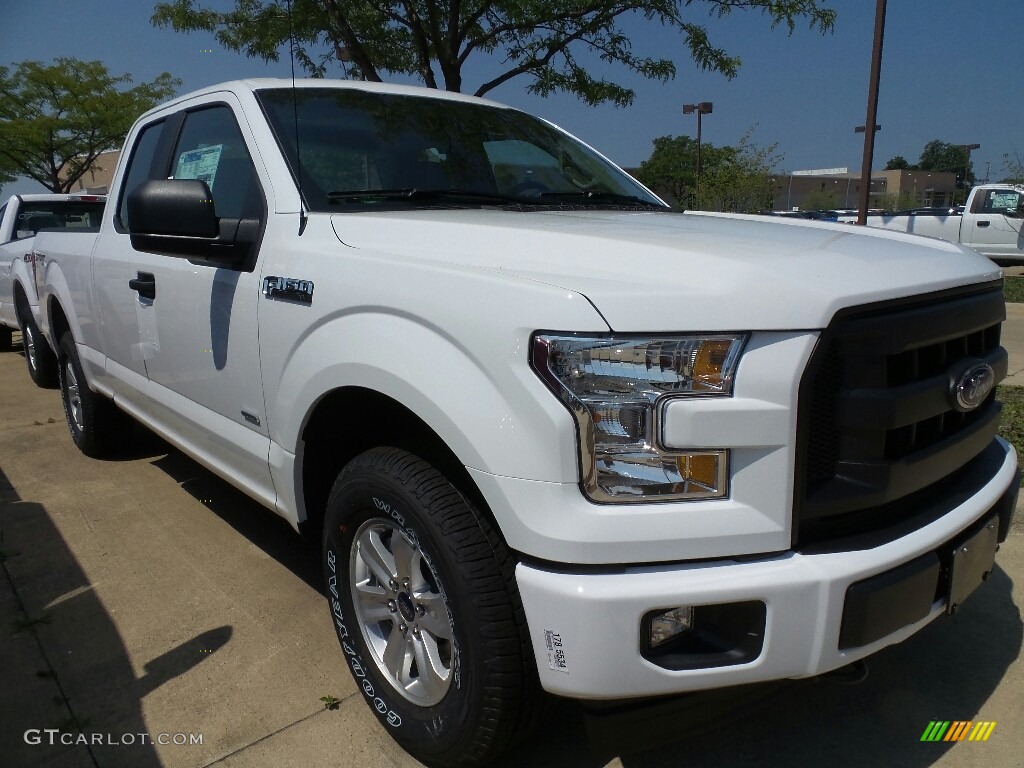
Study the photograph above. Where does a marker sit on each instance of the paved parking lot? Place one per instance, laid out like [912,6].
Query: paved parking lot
[142,595]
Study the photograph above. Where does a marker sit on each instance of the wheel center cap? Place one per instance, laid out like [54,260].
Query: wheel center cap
[405,606]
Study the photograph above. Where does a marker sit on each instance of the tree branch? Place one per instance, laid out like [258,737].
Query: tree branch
[351,40]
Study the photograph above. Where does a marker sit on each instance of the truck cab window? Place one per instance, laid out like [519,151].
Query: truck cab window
[1002,201]
[140,168]
[211,148]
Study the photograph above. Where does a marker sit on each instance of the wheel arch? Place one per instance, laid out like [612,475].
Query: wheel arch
[57,321]
[369,419]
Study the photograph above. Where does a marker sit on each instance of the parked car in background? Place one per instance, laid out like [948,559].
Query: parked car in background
[21,218]
[990,222]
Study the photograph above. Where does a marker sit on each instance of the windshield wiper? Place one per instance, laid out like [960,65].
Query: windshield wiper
[596,197]
[412,194]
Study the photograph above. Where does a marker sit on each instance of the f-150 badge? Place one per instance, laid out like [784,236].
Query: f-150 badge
[289,289]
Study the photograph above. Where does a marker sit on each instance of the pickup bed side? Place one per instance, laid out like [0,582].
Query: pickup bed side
[21,218]
[990,223]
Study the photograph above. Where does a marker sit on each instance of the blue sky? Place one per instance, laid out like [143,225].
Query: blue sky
[951,70]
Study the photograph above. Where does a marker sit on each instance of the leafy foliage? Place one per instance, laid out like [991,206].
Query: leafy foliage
[672,167]
[732,178]
[820,200]
[742,182]
[434,39]
[900,163]
[892,202]
[941,156]
[56,119]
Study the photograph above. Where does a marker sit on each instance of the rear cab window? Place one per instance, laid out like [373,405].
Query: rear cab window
[57,214]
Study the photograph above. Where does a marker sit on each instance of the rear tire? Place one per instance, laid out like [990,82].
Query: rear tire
[5,339]
[97,426]
[423,597]
[39,357]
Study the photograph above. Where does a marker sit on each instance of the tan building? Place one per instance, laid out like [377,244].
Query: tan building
[840,189]
[96,180]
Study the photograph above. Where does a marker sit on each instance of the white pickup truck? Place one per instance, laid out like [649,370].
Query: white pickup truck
[21,217]
[990,222]
[552,435]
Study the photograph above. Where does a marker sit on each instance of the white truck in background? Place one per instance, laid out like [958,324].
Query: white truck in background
[990,222]
[550,434]
[21,218]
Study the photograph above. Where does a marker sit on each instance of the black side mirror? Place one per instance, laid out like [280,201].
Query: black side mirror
[172,208]
[175,217]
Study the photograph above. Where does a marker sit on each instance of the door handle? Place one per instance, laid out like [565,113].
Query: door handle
[983,223]
[145,284]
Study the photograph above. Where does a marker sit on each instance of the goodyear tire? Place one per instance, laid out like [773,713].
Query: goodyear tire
[97,426]
[423,599]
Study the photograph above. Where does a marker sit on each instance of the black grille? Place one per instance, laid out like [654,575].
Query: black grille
[877,422]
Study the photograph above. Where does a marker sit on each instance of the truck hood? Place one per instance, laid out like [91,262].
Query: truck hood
[655,271]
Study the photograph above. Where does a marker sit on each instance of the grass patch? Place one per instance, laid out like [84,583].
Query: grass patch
[1013,289]
[1011,422]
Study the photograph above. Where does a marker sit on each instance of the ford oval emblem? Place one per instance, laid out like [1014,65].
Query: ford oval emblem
[972,386]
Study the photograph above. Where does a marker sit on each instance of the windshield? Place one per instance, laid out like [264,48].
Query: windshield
[353,141]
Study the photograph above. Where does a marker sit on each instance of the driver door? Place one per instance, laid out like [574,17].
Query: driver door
[199,323]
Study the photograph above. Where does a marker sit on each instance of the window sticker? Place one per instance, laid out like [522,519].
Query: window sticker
[1006,201]
[200,164]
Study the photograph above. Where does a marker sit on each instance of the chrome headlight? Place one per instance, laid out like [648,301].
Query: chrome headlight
[612,385]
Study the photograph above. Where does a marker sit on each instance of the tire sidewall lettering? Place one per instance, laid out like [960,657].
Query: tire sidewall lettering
[355,661]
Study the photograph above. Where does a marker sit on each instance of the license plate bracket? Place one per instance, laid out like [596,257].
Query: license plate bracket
[972,561]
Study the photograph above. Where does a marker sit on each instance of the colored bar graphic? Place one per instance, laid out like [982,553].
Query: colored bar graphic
[958,730]
[982,730]
[935,731]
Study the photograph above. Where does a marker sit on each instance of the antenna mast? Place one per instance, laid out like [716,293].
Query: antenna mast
[295,117]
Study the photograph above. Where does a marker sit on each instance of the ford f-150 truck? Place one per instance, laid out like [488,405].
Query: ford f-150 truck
[990,222]
[21,217]
[552,435]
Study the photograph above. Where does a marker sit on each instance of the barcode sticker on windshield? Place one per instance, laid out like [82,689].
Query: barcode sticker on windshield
[556,651]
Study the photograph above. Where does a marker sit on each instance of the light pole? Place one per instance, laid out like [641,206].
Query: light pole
[702,108]
[869,123]
[968,148]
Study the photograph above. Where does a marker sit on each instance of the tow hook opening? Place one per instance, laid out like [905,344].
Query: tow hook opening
[852,674]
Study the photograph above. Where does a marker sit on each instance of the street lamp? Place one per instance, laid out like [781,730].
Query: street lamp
[703,108]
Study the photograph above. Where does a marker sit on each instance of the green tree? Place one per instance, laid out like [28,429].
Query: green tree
[820,200]
[671,170]
[899,163]
[540,40]
[56,119]
[891,202]
[741,181]
[941,156]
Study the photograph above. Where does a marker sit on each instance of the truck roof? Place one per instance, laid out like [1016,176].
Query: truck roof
[53,197]
[249,85]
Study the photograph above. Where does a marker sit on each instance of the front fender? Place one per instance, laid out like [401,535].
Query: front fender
[491,410]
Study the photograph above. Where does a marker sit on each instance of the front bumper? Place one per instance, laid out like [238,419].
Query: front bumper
[595,618]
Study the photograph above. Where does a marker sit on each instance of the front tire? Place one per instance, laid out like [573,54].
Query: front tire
[423,597]
[97,426]
[40,359]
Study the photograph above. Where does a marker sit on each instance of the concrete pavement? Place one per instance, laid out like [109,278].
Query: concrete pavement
[142,596]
